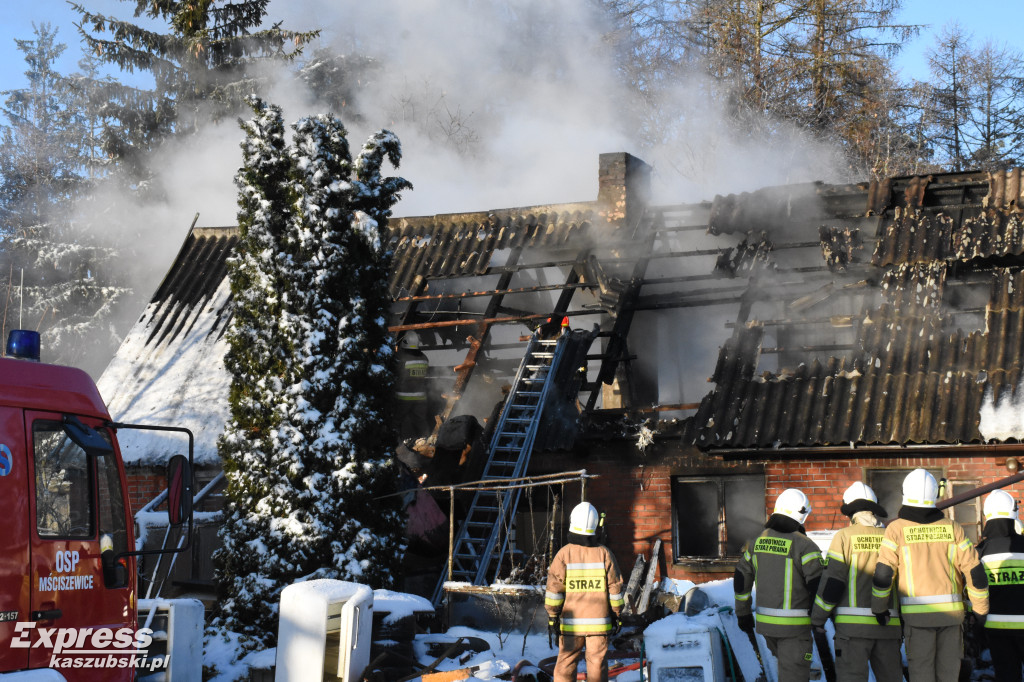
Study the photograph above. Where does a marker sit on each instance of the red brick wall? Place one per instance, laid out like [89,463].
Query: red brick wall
[637,497]
[144,483]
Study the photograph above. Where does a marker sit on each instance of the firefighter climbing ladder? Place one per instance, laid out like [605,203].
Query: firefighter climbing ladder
[480,546]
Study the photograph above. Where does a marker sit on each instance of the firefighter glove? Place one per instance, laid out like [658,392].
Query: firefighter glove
[616,625]
[882,618]
[746,623]
[553,623]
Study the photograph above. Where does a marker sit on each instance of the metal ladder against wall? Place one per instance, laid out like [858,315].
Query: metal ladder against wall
[477,552]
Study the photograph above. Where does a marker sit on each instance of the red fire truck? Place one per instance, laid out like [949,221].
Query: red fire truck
[68,585]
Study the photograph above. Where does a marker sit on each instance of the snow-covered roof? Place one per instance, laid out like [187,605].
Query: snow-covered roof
[169,370]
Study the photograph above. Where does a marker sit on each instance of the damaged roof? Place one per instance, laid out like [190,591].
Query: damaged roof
[937,331]
[873,313]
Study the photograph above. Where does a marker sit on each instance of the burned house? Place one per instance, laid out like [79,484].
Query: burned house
[798,336]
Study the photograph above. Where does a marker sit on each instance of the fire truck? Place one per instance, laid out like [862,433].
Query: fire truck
[68,580]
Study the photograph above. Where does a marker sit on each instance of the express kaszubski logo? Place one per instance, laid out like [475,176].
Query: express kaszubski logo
[90,647]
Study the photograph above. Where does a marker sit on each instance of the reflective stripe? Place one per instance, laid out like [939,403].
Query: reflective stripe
[837,556]
[865,620]
[933,608]
[810,557]
[784,620]
[1011,559]
[824,605]
[918,503]
[858,611]
[787,597]
[965,545]
[1001,621]
[977,594]
[419,395]
[890,544]
[554,596]
[586,624]
[743,597]
[933,599]
[908,570]
[781,613]
[851,584]
[585,621]
[584,567]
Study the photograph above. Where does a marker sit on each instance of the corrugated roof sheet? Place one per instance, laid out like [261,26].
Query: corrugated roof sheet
[914,376]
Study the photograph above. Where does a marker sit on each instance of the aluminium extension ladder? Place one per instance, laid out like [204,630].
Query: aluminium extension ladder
[477,552]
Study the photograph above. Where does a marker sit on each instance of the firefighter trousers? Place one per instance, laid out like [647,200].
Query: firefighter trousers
[853,654]
[933,654]
[794,656]
[1007,647]
[570,651]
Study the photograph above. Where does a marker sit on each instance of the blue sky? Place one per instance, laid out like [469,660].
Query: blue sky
[998,20]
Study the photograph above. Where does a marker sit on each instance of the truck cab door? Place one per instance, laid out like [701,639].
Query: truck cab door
[14,540]
[76,498]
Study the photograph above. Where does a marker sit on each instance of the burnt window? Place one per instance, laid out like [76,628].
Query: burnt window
[888,486]
[713,516]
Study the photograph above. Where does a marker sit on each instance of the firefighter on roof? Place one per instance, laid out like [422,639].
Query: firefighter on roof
[930,559]
[1002,554]
[846,592]
[785,568]
[583,599]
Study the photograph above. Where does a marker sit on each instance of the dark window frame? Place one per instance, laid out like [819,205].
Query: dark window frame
[722,556]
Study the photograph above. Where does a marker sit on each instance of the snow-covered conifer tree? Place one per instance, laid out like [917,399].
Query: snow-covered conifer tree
[307,451]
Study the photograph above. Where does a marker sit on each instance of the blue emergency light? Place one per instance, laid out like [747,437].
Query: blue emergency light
[23,344]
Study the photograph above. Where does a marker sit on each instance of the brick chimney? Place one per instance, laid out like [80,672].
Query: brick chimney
[623,189]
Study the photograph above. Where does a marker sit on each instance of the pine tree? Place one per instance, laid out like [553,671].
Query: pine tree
[306,451]
[211,59]
[58,275]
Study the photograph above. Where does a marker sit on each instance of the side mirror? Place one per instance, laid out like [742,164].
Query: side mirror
[179,490]
[87,438]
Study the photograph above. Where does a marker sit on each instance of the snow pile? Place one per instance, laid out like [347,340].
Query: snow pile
[178,381]
[220,651]
[399,605]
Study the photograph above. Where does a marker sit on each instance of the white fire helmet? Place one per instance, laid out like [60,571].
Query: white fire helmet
[920,489]
[1000,505]
[410,340]
[859,491]
[583,519]
[794,504]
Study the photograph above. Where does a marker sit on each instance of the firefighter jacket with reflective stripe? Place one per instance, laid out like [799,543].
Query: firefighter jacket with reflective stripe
[785,569]
[846,586]
[585,589]
[412,375]
[931,562]
[1003,559]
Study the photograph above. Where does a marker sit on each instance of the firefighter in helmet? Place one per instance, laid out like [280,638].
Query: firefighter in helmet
[930,561]
[784,565]
[411,389]
[1002,554]
[583,599]
[845,592]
